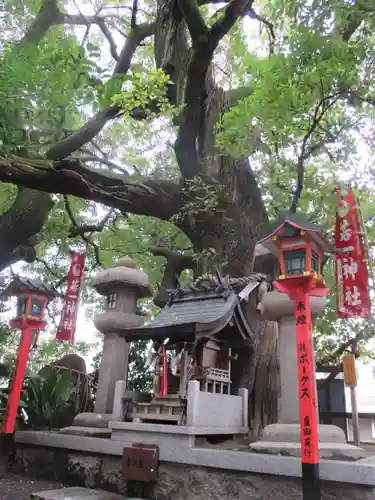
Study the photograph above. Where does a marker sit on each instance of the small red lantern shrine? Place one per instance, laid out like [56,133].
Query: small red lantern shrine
[32,297]
[301,247]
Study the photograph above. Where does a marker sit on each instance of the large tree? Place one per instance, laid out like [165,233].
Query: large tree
[197,88]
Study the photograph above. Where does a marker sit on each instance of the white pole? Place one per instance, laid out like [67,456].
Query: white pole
[353,397]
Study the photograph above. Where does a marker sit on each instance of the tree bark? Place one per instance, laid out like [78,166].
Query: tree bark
[24,219]
[142,196]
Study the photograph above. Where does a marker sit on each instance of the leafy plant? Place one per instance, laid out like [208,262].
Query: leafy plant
[49,401]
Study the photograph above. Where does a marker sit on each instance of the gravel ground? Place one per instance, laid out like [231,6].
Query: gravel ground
[13,487]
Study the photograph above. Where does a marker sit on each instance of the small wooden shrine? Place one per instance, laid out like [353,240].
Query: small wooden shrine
[192,339]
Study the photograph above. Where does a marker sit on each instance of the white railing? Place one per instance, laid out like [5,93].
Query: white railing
[218,375]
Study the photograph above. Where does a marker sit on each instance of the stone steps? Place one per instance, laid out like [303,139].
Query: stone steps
[77,493]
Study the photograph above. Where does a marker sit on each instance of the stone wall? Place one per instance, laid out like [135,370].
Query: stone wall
[176,482]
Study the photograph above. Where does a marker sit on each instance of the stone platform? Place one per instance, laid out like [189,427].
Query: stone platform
[88,459]
[77,494]
[194,474]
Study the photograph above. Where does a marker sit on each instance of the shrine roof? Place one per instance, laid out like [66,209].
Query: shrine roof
[298,222]
[20,285]
[198,310]
[292,219]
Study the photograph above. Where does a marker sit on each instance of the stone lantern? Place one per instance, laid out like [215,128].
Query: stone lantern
[122,285]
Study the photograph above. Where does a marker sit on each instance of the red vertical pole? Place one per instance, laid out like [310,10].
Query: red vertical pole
[17,380]
[307,398]
[164,373]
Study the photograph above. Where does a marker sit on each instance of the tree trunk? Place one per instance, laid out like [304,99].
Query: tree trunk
[223,212]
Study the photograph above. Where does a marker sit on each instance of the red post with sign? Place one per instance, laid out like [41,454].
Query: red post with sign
[33,297]
[300,291]
[11,411]
[301,247]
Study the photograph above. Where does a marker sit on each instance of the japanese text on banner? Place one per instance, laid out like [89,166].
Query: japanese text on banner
[306,383]
[68,320]
[351,270]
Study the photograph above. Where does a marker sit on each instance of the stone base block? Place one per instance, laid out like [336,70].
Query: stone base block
[164,436]
[290,433]
[181,430]
[333,451]
[76,430]
[77,494]
[167,436]
[98,420]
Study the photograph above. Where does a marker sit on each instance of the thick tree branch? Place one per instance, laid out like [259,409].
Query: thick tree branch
[133,21]
[91,129]
[353,22]
[194,20]
[47,16]
[186,149]
[235,10]
[24,219]
[176,263]
[161,199]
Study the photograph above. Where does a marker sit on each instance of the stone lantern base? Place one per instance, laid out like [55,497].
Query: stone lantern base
[284,439]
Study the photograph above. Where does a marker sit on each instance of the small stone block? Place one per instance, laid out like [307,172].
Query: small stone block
[332,451]
[76,430]
[290,433]
[76,493]
[97,420]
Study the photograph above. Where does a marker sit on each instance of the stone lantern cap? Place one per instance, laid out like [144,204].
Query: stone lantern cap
[123,275]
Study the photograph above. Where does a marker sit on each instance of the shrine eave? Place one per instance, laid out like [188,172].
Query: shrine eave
[297,222]
[20,285]
[191,317]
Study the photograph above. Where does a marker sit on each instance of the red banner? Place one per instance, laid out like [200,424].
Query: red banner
[68,320]
[307,384]
[352,299]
